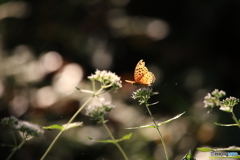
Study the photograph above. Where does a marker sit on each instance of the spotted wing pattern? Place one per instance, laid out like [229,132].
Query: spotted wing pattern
[142,75]
[147,79]
[140,70]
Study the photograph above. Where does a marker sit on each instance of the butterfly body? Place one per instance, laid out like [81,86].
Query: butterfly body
[142,75]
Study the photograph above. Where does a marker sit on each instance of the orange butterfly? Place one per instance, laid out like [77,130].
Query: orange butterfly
[142,75]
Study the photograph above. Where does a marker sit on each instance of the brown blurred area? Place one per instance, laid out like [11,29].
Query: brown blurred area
[49,47]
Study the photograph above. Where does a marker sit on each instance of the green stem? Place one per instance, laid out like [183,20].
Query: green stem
[156,126]
[70,121]
[61,132]
[104,92]
[112,137]
[86,91]
[235,119]
[16,148]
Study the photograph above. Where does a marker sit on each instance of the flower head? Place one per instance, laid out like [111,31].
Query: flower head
[210,101]
[218,94]
[228,104]
[98,110]
[29,129]
[108,79]
[9,121]
[143,95]
[213,99]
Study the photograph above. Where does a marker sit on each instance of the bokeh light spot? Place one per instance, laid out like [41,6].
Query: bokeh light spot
[66,81]
[102,59]
[157,29]
[45,97]
[16,9]
[51,61]
[19,105]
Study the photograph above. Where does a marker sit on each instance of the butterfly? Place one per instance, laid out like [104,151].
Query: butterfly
[142,75]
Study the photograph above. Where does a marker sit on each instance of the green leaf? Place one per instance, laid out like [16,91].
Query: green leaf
[231,148]
[128,136]
[205,149]
[167,121]
[72,125]
[226,125]
[54,126]
[146,126]
[226,157]
[59,127]
[152,126]
[188,156]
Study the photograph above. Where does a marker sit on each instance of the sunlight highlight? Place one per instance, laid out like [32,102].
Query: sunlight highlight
[16,9]
[66,81]
[19,105]
[157,29]
[45,97]
[123,25]
[51,61]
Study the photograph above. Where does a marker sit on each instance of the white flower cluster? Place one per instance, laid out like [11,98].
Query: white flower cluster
[29,128]
[10,121]
[143,95]
[25,127]
[211,100]
[218,93]
[228,104]
[97,110]
[107,78]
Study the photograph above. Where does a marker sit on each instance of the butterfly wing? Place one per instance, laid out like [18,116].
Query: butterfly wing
[147,79]
[140,71]
[142,75]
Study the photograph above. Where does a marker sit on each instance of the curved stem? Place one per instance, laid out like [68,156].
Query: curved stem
[235,119]
[61,132]
[112,137]
[156,126]
[70,121]
[16,148]
[104,92]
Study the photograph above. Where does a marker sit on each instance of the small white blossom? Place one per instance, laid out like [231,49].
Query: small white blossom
[228,104]
[143,95]
[97,110]
[10,121]
[209,101]
[213,99]
[107,78]
[29,128]
[218,93]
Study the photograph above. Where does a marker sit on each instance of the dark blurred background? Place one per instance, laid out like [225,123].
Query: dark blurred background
[49,47]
